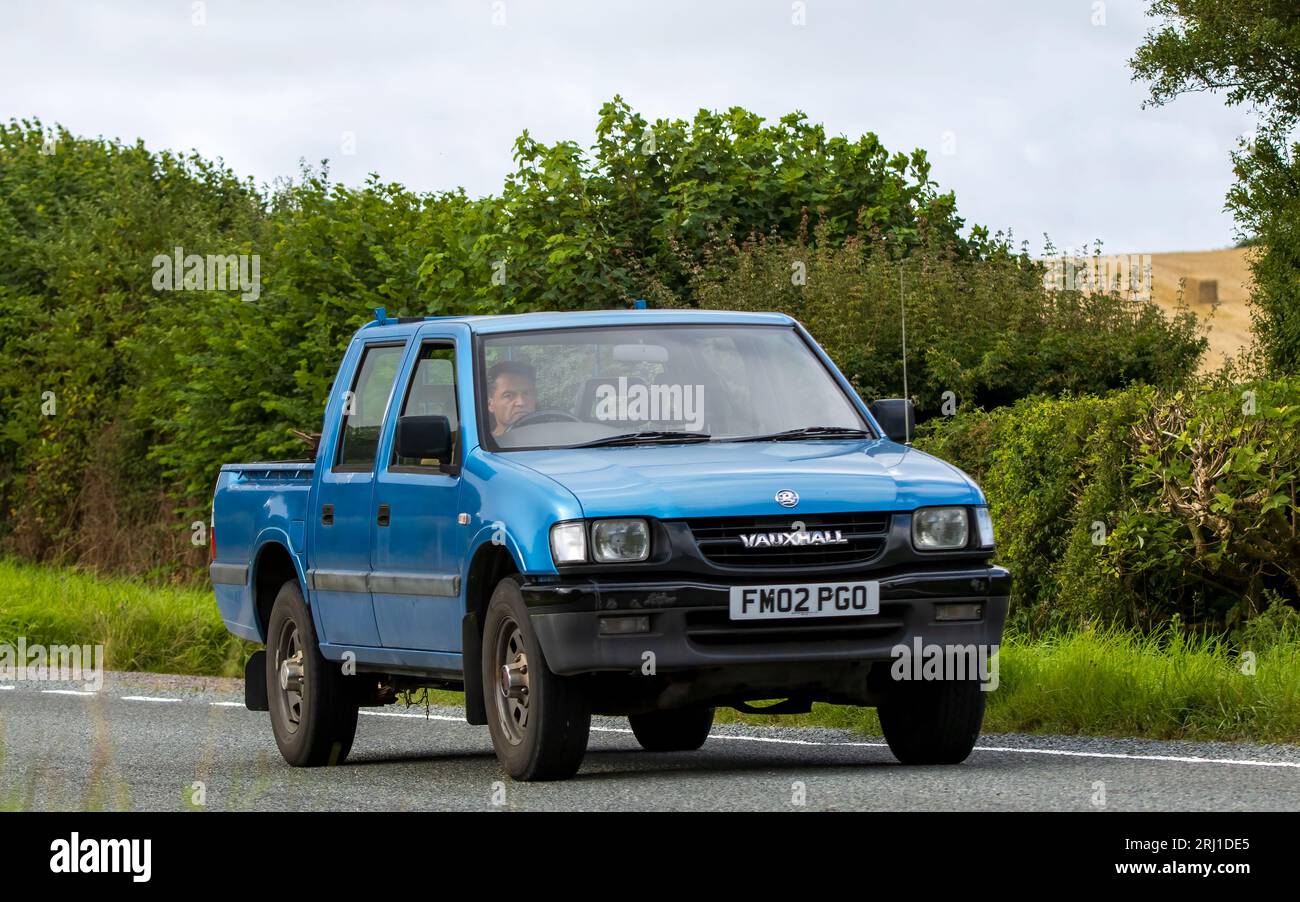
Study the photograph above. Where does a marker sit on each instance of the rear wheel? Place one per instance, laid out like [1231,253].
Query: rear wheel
[680,730]
[313,706]
[933,722]
[539,721]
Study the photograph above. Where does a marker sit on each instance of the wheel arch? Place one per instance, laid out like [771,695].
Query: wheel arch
[490,563]
[273,566]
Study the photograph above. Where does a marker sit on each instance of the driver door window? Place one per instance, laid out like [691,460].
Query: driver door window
[432,392]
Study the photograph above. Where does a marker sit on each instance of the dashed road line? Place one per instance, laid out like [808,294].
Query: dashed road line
[414,715]
[1012,750]
[1179,759]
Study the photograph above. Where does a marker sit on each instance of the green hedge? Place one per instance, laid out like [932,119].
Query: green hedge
[119,397]
[119,400]
[980,332]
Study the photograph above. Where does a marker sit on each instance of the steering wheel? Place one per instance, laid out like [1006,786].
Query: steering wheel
[547,415]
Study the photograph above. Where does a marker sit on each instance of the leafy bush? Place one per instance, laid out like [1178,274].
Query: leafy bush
[155,389]
[152,389]
[1142,505]
[985,329]
[79,228]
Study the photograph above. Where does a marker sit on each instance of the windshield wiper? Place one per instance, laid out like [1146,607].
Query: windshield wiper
[637,438]
[806,432]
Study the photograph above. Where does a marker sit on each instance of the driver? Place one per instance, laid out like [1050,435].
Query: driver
[512,393]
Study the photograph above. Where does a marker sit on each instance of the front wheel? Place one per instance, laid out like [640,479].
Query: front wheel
[934,722]
[539,721]
[313,707]
[681,730]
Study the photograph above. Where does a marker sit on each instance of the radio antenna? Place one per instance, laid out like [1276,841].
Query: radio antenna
[902,308]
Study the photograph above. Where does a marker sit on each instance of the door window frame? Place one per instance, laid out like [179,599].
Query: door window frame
[458,443]
[337,467]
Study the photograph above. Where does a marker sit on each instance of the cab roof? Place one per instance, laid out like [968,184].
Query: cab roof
[521,322]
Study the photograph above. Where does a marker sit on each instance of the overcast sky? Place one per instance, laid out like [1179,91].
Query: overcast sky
[1026,107]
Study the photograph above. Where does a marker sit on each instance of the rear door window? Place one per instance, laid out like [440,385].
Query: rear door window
[364,406]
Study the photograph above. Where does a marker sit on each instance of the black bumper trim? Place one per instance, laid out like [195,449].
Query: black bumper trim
[690,626]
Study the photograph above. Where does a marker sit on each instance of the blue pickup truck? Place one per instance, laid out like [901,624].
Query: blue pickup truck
[641,513]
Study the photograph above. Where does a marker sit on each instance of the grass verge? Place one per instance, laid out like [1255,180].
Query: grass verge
[1097,682]
[160,629]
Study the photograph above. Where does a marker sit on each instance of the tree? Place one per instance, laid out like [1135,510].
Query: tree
[1250,51]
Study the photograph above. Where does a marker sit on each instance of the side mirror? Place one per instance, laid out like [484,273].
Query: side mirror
[424,437]
[897,417]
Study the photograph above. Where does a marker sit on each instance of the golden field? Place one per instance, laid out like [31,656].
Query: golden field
[1229,321]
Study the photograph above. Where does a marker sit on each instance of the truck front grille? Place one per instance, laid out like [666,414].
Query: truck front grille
[719,539]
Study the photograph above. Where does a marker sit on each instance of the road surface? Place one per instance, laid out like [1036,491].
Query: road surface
[144,741]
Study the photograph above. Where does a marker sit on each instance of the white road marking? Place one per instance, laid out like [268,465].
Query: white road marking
[420,716]
[7,687]
[1180,759]
[767,739]
[1012,750]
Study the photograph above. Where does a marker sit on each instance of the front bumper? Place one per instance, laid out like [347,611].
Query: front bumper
[690,626]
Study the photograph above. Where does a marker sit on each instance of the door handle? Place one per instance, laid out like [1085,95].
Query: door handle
[327,515]
[383,516]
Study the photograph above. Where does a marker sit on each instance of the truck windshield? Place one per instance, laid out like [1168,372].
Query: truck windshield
[657,384]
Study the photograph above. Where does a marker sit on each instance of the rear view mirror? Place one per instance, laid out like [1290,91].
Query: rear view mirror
[640,353]
[896,417]
[424,437]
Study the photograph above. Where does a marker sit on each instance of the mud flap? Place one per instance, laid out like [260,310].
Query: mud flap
[471,651]
[255,683]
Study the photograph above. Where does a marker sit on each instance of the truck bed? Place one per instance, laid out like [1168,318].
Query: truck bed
[253,503]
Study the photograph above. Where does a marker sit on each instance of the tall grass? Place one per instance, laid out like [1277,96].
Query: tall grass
[1121,683]
[1165,686]
[162,629]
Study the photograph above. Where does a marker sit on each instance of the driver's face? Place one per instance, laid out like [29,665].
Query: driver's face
[513,397]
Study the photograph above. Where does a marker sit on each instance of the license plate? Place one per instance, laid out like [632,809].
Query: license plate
[805,600]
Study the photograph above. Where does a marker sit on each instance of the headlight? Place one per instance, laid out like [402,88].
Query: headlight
[569,543]
[619,541]
[984,525]
[935,528]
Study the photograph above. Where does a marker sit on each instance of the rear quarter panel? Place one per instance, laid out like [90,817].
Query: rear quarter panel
[253,508]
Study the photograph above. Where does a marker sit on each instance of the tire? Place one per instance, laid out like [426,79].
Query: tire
[541,732]
[681,730]
[315,725]
[934,722]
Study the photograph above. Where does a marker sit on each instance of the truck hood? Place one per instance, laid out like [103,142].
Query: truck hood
[701,480]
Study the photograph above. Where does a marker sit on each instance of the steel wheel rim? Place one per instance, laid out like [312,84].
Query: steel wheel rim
[510,668]
[291,675]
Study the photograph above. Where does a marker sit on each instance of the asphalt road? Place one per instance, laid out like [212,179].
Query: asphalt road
[143,741]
